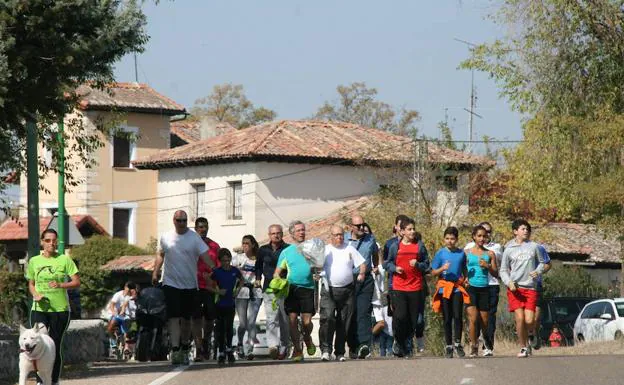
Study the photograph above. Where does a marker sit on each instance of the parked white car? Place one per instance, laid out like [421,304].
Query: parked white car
[601,320]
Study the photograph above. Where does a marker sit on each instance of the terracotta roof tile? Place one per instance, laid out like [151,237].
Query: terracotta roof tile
[135,97]
[576,238]
[17,229]
[304,141]
[131,263]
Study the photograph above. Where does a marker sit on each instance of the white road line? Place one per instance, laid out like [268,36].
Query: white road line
[466,381]
[170,375]
[469,366]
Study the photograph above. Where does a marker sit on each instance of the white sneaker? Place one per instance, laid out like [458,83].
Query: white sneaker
[488,352]
[325,357]
[341,358]
[524,352]
[420,344]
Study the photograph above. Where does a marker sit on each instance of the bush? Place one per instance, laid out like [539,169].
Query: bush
[572,281]
[14,301]
[98,285]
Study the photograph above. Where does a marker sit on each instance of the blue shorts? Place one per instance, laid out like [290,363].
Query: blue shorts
[121,322]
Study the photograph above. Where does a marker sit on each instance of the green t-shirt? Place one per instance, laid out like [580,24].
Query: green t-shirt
[44,270]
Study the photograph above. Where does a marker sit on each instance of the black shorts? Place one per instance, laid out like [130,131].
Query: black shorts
[300,300]
[204,305]
[179,302]
[479,297]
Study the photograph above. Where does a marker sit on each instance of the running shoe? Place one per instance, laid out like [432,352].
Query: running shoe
[459,350]
[325,357]
[297,357]
[230,356]
[341,358]
[221,359]
[488,352]
[240,351]
[448,351]
[524,352]
[176,357]
[273,352]
[420,344]
[474,351]
[250,352]
[535,342]
[310,347]
[282,353]
[363,351]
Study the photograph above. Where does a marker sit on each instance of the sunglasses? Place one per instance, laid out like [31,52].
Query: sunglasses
[180,220]
[358,225]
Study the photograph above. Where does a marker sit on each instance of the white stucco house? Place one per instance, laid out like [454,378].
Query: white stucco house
[245,180]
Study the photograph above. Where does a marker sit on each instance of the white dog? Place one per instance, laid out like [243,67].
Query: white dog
[37,353]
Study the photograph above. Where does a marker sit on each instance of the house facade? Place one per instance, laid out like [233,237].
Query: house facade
[243,181]
[120,197]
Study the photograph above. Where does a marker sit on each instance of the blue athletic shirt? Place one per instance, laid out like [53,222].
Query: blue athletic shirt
[477,276]
[299,272]
[457,260]
[226,279]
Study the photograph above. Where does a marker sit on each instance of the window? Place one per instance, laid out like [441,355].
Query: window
[121,222]
[121,151]
[198,200]
[234,200]
[447,182]
[620,308]
[608,309]
[123,146]
[593,311]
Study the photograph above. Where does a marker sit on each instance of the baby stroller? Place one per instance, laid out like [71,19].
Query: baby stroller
[151,317]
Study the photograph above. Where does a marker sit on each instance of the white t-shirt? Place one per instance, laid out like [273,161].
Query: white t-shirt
[379,280]
[131,308]
[247,267]
[118,299]
[181,254]
[339,264]
[498,253]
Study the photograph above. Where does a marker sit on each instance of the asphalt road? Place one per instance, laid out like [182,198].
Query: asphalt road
[570,370]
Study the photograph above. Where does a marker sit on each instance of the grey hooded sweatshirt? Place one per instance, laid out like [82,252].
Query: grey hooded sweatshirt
[519,259]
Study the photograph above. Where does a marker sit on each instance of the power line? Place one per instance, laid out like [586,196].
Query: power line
[279,175]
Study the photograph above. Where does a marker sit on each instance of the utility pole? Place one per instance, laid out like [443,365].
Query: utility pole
[61,190]
[136,69]
[473,100]
[32,177]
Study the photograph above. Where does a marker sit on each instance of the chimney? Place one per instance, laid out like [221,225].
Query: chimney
[208,127]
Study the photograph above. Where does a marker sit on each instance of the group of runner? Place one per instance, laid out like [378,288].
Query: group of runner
[357,281]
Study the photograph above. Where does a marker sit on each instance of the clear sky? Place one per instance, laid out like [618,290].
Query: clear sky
[290,55]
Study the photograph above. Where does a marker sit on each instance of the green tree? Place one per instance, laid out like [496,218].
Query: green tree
[228,103]
[562,65]
[47,49]
[96,284]
[358,104]
[572,281]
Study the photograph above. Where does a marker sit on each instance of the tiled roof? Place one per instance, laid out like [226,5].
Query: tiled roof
[305,141]
[131,263]
[17,229]
[189,131]
[135,97]
[581,239]
[319,227]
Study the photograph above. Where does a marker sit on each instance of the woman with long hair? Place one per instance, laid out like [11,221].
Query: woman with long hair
[249,297]
[46,276]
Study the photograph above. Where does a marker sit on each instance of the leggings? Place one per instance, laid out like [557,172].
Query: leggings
[407,315]
[452,310]
[247,311]
[225,328]
[57,323]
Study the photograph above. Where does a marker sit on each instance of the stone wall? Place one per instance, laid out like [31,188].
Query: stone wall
[84,341]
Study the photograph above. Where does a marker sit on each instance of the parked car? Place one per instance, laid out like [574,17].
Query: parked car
[600,320]
[561,311]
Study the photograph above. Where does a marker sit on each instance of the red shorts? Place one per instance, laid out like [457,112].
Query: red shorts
[522,299]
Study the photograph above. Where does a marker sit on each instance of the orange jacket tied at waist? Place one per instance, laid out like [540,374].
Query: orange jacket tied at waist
[447,290]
